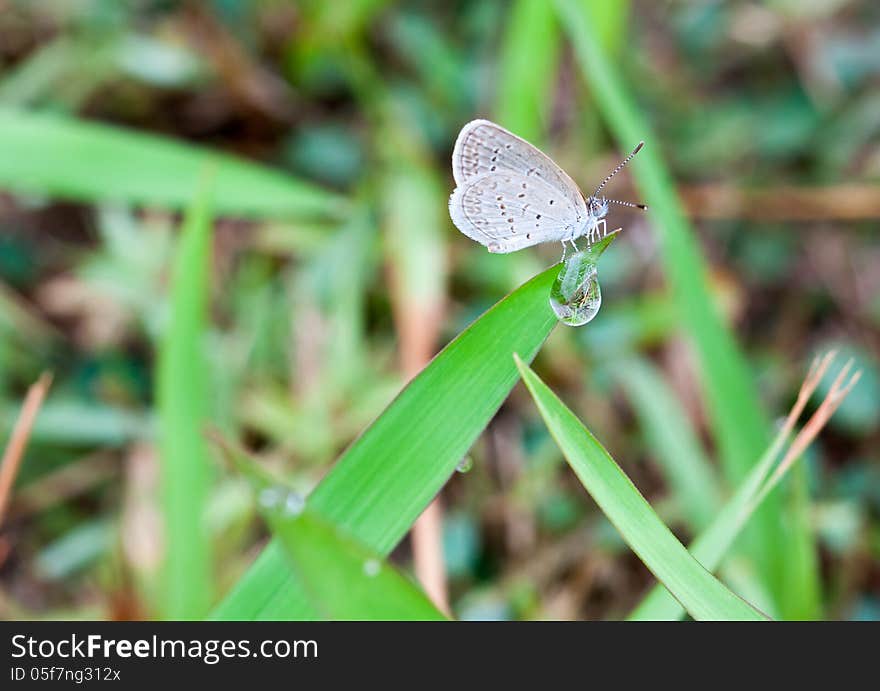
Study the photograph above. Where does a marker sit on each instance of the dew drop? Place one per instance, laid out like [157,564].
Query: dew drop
[464,465]
[271,497]
[575,296]
[281,499]
[371,567]
[294,503]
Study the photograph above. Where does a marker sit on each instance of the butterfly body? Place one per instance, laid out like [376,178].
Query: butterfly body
[510,195]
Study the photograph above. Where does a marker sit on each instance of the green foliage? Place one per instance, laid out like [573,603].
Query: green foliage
[674,441]
[322,303]
[384,481]
[527,68]
[55,155]
[343,580]
[337,577]
[695,588]
[182,398]
[741,429]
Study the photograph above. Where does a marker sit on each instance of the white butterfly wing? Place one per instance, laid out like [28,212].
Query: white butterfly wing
[509,211]
[510,195]
[483,147]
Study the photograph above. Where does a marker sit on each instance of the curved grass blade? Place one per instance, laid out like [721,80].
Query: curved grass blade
[741,428]
[388,476]
[712,544]
[703,595]
[53,155]
[710,547]
[182,398]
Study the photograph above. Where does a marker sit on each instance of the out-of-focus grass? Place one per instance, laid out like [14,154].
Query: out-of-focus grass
[183,390]
[65,72]
[414,220]
[670,435]
[712,544]
[801,588]
[527,68]
[65,157]
[610,22]
[741,429]
[414,224]
[384,481]
[528,61]
[766,475]
[338,578]
[304,341]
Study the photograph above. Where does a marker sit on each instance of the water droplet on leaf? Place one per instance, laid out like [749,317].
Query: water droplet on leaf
[575,296]
[371,567]
[271,497]
[464,465]
[294,504]
[281,499]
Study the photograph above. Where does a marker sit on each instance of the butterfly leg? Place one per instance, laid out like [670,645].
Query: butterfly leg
[590,238]
[597,232]
[571,242]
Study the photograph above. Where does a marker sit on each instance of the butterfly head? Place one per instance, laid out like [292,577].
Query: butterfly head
[598,207]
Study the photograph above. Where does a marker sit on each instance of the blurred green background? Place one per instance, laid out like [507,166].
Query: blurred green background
[333,281]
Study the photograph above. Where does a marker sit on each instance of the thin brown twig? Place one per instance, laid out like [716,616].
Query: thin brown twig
[68,481]
[845,202]
[15,447]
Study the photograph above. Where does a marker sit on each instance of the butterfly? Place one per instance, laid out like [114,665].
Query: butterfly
[511,195]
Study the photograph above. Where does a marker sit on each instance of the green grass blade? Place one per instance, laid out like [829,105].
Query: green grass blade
[527,68]
[740,425]
[336,577]
[673,441]
[710,547]
[712,544]
[802,589]
[344,580]
[40,72]
[741,428]
[609,18]
[182,398]
[703,595]
[64,157]
[387,477]
[415,219]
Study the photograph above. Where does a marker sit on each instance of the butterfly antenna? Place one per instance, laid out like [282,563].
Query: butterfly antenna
[643,207]
[618,169]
